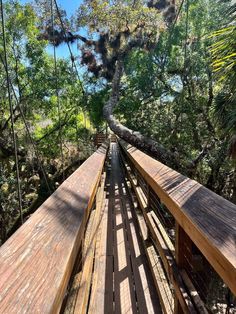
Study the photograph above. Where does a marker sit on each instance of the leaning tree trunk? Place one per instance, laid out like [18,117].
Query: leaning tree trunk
[134,138]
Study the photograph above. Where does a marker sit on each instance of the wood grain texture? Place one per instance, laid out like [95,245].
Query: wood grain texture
[208,219]
[82,301]
[37,261]
[161,281]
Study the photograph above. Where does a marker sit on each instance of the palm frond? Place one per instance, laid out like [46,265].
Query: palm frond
[223,50]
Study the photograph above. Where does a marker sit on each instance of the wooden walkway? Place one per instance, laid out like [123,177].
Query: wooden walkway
[92,246]
[121,280]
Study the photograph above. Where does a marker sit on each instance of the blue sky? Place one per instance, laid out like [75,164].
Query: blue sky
[70,7]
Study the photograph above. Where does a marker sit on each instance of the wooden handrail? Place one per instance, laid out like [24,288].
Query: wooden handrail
[37,261]
[207,218]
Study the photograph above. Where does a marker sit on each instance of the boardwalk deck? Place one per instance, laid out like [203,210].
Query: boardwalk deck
[122,281]
[92,246]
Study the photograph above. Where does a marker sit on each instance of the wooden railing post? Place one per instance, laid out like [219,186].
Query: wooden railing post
[183,254]
[179,260]
[148,210]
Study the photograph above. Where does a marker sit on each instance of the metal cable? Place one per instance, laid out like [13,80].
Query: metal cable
[12,115]
[69,47]
[186,32]
[18,105]
[172,33]
[57,89]
[71,55]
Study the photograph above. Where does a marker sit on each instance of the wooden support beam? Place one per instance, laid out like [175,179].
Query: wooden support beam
[181,240]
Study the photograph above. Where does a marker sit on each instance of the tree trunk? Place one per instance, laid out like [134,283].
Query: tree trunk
[134,138]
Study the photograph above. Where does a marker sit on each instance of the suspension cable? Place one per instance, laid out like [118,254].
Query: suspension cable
[171,33]
[18,106]
[12,115]
[35,148]
[74,66]
[186,33]
[57,88]
[68,45]
[185,54]
[178,13]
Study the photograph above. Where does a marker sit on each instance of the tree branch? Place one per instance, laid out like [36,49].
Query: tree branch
[132,137]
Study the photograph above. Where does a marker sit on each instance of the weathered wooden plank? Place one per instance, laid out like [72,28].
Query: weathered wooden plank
[124,291]
[81,304]
[83,286]
[79,271]
[78,295]
[71,299]
[103,269]
[123,279]
[102,287]
[144,286]
[163,233]
[208,219]
[119,244]
[37,261]
[101,299]
[194,294]
[96,269]
[148,279]
[161,281]
[144,206]
[170,267]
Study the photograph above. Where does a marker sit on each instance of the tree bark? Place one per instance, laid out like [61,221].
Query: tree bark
[134,138]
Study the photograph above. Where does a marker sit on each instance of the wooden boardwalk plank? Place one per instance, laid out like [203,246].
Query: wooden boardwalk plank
[143,285]
[101,299]
[103,269]
[145,290]
[81,304]
[161,282]
[122,281]
[163,287]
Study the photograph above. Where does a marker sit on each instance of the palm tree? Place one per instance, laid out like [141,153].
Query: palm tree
[224,65]
[224,48]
